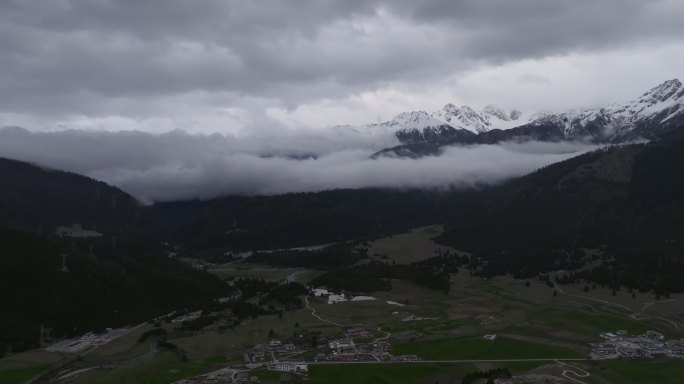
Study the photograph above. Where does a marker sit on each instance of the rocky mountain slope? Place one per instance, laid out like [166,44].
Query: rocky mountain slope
[655,114]
[445,124]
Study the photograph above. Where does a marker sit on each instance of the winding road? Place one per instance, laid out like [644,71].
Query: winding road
[575,371]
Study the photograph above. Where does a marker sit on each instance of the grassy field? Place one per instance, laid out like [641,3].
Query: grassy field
[428,327]
[23,366]
[588,322]
[231,344]
[409,373]
[383,373]
[206,350]
[658,371]
[20,375]
[163,368]
[124,347]
[406,248]
[266,272]
[252,270]
[479,348]
[267,377]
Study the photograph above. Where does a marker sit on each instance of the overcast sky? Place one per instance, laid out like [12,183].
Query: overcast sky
[256,66]
[174,99]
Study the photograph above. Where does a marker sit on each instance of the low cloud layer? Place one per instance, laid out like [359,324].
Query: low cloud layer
[178,165]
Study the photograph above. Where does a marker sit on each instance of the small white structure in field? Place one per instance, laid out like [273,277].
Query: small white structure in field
[76,231]
[491,337]
[288,366]
[337,298]
[362,298]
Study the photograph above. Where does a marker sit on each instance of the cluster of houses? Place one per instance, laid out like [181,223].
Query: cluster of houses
[187,317]
[355,332]
[221,376]
[277,357]
[267,351]
[342,346]
[285,355]
[622,345]
[89,340]
[254,357]
[346,349]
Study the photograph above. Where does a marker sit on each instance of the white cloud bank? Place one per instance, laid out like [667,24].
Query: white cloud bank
[181,166]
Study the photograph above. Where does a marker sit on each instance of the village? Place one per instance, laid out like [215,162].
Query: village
[622,345]
[278,326]
[292,354]
[282,356]
[83,343]
[295,354]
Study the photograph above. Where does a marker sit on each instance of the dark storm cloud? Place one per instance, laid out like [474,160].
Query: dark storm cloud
[531,28]
[96,57]
[177,165]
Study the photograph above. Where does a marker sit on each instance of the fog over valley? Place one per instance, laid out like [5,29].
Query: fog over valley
[178,165]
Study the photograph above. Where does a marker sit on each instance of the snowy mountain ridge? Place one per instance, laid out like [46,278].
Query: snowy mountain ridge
[647,115]
[463,117]
[658,105]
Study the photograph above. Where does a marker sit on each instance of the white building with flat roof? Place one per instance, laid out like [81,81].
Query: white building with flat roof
[288,366]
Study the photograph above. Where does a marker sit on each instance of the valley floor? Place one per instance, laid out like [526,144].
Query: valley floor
[409,334]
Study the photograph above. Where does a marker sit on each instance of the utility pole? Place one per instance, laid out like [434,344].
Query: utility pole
[64,268]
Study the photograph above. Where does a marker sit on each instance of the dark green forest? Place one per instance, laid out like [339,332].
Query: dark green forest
[39,199]
[297,219]
[105,286]
[626,203]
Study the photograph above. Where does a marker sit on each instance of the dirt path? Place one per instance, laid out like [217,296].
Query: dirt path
[292,277]
[651,303]
[634,314]
[387,335]
[316,315]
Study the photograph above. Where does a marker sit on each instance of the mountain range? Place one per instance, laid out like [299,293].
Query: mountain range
[621,203]
[655,114]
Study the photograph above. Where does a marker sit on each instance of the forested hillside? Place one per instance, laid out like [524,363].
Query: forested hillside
[291,220]
[40,199]
[627,203]
[106,284]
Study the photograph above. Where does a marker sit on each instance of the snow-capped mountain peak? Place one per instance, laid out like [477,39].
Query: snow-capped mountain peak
[655,106]
[447,121]
[414,119]
[660,97]
[463,117]
[670,89]
[494,111]
[658,110]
